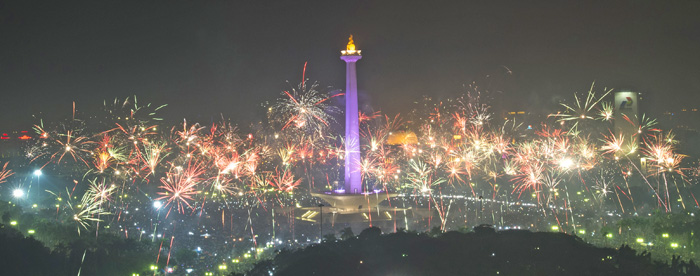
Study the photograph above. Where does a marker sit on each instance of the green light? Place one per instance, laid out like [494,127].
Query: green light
[609,235]
[582,231]
[31,231]
[153,267]
[222,267]
[34,205]
[640,240]
[674,245]
[665,235]
[13,223]
[555,228]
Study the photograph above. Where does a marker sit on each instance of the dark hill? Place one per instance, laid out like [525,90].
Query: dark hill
[483,252]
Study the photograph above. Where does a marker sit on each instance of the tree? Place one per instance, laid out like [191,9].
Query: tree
[370,233]
[185,256]
[329,238]
[346,233]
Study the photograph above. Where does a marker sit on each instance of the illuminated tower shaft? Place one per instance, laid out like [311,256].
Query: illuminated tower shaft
[353,176]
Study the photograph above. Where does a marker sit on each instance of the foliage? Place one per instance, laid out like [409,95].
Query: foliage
[511,252]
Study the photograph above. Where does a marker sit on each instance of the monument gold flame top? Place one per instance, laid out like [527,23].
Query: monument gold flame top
[350,51]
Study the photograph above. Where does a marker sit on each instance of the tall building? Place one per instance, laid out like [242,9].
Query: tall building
[626,117]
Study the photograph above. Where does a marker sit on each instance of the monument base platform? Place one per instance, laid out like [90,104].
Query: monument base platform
[342,203]
[312,215]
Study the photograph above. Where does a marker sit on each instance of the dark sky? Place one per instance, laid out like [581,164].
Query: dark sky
[204,58]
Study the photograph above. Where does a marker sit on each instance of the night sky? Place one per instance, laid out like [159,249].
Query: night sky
[208,58]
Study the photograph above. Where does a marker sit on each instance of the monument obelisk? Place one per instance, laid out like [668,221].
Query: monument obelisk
[353,176]
[351,203]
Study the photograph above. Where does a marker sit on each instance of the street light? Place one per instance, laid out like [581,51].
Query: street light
[481,209]
[18,193]
[156,204]
[38,174]
[321,206]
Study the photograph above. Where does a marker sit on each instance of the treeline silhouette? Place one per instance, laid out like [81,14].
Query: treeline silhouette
[108,255]
[481,252]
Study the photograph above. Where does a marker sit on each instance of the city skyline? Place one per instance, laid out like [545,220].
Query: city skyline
[245,138]
[207,60]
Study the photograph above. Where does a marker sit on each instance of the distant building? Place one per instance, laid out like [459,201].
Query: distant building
[398,138]
[685,118]
[12,143]
[626,116]
[518,116]
[526,121]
